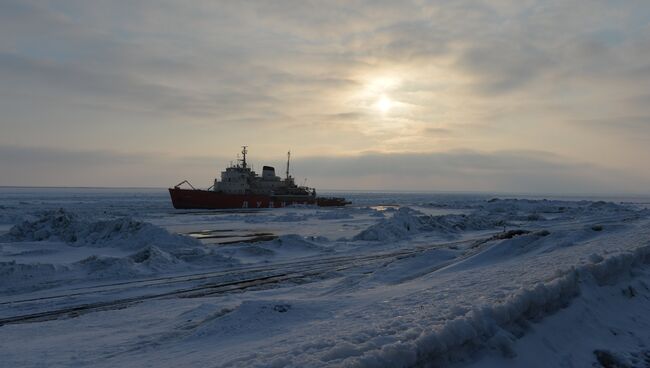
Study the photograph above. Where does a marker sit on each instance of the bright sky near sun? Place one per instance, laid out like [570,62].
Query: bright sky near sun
[526,96]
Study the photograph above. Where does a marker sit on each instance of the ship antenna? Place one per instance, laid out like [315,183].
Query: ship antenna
[288,158]
[244,152]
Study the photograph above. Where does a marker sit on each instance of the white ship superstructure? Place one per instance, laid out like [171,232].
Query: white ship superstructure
[240,179]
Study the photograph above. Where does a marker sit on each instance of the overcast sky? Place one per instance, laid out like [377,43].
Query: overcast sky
[527,96]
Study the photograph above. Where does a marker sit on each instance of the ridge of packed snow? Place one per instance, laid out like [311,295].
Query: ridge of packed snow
[493,326]
[123,232]
[406,222]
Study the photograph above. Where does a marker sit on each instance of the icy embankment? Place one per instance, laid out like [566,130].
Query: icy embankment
[134,248]
[497,327]
[606,325]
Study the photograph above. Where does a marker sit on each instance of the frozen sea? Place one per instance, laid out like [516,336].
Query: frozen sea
[117,277]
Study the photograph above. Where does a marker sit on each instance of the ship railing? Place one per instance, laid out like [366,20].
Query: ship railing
[177,186]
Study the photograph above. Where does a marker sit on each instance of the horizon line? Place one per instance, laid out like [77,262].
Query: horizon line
[374,191]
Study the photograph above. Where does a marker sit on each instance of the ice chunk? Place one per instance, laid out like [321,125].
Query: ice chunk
[407,222]
[125,232]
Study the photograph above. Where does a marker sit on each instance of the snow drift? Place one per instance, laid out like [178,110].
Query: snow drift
[124,232]
[496,326]
[137,249]
[407,222]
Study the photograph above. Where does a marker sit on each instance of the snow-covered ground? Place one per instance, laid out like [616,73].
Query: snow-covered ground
[99,277]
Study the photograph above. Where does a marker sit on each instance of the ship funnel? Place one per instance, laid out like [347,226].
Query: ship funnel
[268,172]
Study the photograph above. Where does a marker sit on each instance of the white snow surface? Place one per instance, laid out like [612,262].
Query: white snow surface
[395,280]
[129,248]
[121,232]
[406,222]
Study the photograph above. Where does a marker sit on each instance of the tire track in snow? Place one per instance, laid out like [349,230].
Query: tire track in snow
[284,272]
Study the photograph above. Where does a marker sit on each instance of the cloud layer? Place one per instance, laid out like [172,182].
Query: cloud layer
[502,171]
[199,79]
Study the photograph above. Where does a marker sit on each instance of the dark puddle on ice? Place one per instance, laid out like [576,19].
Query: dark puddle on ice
[207,234]
[230,236]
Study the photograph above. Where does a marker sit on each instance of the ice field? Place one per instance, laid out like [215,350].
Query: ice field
[117,277]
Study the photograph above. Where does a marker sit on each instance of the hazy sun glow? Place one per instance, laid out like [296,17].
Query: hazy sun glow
[376,92]
[337,81]
[383,84]
[384,104]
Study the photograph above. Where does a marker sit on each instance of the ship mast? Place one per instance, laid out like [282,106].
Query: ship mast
[244,152]
[288,158]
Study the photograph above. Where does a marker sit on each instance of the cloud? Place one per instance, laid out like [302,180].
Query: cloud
[505,65]
[118,91]
[437,131]
[103,168]
[465,170]
[459,170]
[484,75]
[628,127]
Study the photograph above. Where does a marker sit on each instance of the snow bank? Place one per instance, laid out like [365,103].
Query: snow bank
[401,225]
[14,275]
[124,232]
[496,325]
[139,249]
[107,268]
[407,222]
[146,261]
[204,257]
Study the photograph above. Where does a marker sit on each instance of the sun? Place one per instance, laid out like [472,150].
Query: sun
[384,104]
[380,96]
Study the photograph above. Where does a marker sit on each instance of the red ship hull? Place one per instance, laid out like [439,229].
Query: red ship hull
[206,199]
